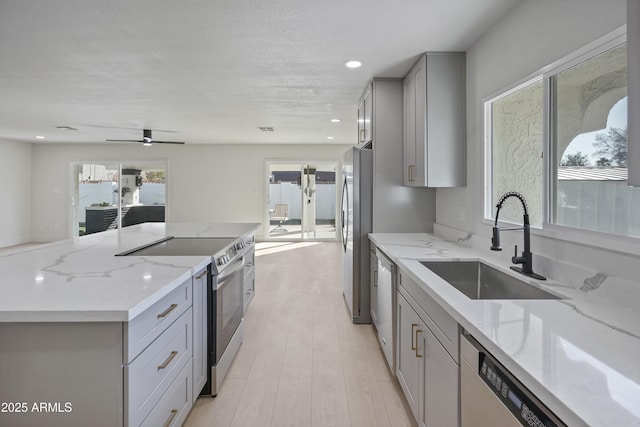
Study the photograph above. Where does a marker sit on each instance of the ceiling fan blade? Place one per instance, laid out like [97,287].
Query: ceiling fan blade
[167,142]
[124,140]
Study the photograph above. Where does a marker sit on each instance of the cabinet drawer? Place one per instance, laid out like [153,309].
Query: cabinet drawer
[143,329]
[148,377]
[443,326]
[174,405]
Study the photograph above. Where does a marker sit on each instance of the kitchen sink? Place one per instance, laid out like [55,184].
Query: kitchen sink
[477,280]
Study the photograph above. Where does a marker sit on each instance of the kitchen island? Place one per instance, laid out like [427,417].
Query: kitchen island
[76,320]
[578,354]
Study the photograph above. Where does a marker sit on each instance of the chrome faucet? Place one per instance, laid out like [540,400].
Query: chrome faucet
[527,257]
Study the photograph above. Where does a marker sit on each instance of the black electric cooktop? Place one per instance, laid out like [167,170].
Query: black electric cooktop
[185,246]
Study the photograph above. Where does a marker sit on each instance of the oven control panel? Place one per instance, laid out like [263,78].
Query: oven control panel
[512,396]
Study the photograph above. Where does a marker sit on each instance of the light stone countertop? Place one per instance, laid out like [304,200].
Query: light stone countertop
[579,355]
[81,280]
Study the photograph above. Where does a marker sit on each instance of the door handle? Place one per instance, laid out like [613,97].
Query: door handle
[375,279]
[418,331]
[413,334]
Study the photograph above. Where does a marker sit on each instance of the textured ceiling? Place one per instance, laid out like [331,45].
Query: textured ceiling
[212,71]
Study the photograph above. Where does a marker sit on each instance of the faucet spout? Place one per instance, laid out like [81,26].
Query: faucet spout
[526,259]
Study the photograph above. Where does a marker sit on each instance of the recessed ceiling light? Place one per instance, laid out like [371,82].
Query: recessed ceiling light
[330,137]
[39,137]
[353,64]
[335,120]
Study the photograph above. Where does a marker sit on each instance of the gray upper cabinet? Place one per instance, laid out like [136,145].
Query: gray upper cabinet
[434,121]
[633,90]
[365,111]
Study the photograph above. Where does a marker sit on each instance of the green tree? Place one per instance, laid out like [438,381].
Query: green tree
[577,159]
[613,145]
[603,162]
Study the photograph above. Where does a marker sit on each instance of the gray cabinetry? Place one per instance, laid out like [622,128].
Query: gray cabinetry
[633,90]
[365,114]
[200,283]
[434,121]
[427,356]
[103,373]
[249,279]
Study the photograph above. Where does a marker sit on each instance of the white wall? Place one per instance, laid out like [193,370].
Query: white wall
[15,196]
[532,35]
[206,183]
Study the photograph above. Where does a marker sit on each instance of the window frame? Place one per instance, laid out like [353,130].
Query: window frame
[488,216]
[615,242]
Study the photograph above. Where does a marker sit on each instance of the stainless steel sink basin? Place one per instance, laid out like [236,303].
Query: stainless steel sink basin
[477,280]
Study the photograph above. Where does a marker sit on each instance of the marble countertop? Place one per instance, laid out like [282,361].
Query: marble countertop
[579,355]
[81,280]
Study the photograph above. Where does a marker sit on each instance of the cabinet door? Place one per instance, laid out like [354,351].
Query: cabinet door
[368,114]
[373,278]
[409,128]
[408,364]
[361,129]
[420,123]
[365,115]
[199,332]
[439,392]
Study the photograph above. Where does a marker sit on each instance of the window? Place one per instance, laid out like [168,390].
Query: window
[514,148]
[588,132]
[575,110]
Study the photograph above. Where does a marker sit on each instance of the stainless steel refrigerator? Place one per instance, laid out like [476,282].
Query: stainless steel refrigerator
[356,222]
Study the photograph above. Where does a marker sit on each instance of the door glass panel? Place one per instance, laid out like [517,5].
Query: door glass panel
[106,199]
[96,207]
[302,201]
[285,201]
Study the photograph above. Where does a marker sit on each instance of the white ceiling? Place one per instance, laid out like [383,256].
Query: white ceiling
[212,71]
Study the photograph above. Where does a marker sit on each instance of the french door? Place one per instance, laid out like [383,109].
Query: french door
[301,201]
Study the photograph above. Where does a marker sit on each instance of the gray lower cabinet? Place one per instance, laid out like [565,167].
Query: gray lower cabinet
[249,278]
[426,371]
[66,374]
[199,332]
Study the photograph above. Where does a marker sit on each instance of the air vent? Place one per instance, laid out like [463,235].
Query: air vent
[266,128]
[65,128]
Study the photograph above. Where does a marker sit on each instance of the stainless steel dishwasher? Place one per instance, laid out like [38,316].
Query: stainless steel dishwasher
[491,396]
[386,301]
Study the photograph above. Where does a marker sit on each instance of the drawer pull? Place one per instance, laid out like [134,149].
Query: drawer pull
[167,311]
[201,275]
[174,412]
[418,331]
[413,334]
[169,359]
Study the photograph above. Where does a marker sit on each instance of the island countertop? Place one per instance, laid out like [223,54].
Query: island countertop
[81,279]
[578,355]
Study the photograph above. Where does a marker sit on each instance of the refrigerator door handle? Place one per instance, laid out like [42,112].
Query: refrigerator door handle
[344,221]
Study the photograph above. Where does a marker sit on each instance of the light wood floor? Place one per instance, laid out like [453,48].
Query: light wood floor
[302,362]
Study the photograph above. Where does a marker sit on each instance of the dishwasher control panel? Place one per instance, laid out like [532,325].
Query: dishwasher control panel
[512,395]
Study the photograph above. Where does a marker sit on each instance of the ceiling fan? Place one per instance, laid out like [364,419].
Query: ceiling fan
[146,139]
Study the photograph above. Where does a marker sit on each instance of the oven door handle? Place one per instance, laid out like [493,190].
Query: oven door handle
[231,272]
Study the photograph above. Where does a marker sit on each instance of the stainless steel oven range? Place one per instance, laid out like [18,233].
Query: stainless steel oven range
[225,294]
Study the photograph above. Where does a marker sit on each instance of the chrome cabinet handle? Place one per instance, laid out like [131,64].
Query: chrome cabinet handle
[413,334]
[201,275]
[362,135]
[174,412]
[169,359]
[167,311]
[375,278]
[418,331]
